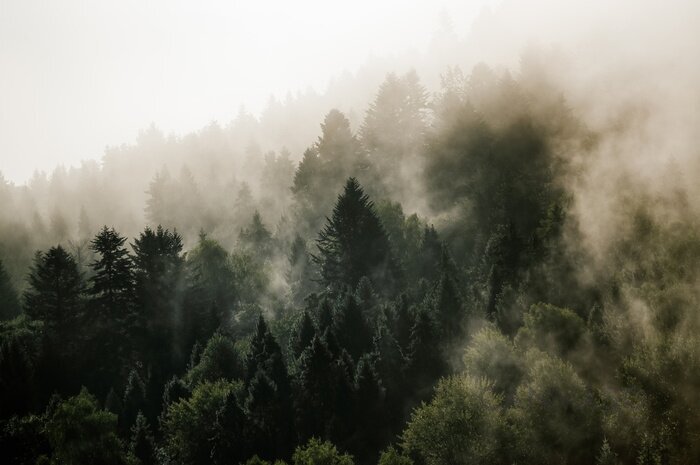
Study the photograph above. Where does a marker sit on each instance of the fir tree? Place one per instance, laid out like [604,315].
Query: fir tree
[55,290]
[111,284]
[353,244]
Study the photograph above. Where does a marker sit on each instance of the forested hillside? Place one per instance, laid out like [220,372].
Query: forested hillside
[440,284]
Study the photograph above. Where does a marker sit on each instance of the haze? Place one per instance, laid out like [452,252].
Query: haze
[80,75]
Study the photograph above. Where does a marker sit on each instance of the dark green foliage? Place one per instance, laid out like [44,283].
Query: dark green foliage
[460,425]
[219,360]
[370,417]
[316,396]
[556,330]
[351,328]
[353,243]
[79,432]
[55,290]
[317,452]
[207,427]
[9,302]
[111,284]
[269,402]
[492,356]
[17,375]
[213,293]
[304,334]
[325,316]
[401,322]
[134,401]
[446,303]
[555,415]
[556,333]
[159,273]
[425,361]
[391,456]
[111,316]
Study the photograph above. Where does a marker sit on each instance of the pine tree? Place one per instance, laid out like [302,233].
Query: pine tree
[111,287]
[159,275]
[212,293]
[55,290]
[393,131]
[269,403]
[336,155]
[353,244]
[112,282]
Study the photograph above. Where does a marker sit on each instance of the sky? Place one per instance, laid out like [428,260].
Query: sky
[79,75]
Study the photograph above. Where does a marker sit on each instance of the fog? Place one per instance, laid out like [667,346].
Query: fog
[79,75]
[475,223]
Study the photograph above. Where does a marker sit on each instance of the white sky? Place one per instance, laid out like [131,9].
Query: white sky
[76,76]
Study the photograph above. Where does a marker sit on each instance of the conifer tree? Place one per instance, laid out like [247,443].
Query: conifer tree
[111,287]
[159,275]
[111,284]
[353,244]
[269,402]
[55,290]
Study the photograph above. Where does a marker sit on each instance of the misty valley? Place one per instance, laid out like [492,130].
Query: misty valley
[473,273]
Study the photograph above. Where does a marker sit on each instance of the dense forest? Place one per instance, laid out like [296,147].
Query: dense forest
[420,285]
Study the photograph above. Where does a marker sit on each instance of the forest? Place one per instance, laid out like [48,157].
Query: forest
[423,284]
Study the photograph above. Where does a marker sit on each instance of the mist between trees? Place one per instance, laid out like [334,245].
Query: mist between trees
[489,273]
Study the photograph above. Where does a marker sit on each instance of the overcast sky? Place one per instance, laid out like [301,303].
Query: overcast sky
[76,76]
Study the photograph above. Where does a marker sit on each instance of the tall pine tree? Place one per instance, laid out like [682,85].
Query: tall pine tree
[354,244]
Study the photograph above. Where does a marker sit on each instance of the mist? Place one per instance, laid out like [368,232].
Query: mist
[374,233]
